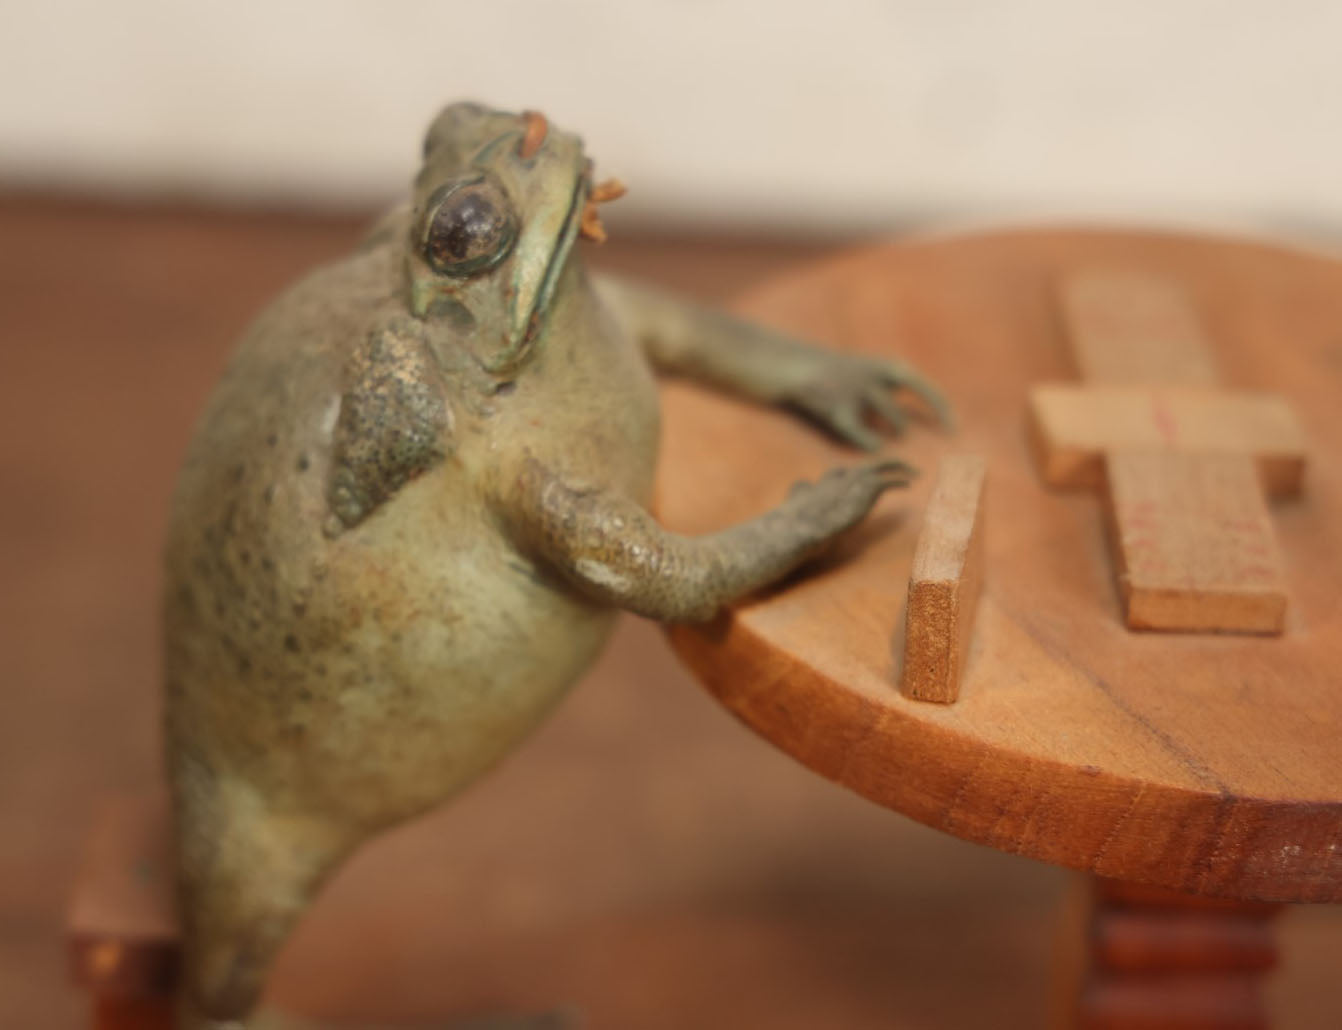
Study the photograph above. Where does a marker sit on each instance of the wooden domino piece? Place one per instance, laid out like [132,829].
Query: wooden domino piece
[1183,463]
[1193,543]
[1073,426]
[1128,327]
[945,582]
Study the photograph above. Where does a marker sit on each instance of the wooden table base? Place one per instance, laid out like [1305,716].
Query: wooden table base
[132,1014]
[1157,960]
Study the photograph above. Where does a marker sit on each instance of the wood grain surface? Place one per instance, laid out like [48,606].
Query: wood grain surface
[1204,764]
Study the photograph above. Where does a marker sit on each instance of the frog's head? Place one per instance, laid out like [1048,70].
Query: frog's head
[498,202]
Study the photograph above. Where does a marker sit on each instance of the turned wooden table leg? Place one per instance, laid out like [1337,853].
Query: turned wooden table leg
[133,1014]
[1157,959]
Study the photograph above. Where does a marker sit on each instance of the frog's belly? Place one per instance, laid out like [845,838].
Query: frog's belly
[390,682]
[443,698]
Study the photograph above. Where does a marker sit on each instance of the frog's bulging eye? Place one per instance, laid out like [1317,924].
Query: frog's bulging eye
[470,228]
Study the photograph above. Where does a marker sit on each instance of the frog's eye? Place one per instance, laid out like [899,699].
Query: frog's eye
[470,228]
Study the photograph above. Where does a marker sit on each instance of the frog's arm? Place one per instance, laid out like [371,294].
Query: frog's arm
[835,389]
[614,552]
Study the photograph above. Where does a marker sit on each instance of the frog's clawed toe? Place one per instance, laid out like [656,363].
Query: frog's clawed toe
[895,469]
[852,397]
[843,496]
[902,376]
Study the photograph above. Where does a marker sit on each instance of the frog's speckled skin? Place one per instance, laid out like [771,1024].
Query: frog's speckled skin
[408,517]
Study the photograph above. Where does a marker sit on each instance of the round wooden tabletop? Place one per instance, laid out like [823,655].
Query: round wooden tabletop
[1210,764]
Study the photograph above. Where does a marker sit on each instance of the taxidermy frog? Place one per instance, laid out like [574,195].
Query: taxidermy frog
[412,509]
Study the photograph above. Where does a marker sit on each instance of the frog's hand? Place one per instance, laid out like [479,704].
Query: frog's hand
[841,392]
[613,551]
[845,393]
[393,424]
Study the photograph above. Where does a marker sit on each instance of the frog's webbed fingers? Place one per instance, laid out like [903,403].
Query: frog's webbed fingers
[879,401]
[843,418]
[853,404]
[613,552]
[902,375]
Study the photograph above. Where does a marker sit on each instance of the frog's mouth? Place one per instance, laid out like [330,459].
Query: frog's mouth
[534,287]
[568,233]
[531,305]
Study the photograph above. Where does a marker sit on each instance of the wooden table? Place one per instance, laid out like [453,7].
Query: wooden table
[1198,764]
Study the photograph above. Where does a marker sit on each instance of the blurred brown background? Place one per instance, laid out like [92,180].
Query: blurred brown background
[165,168]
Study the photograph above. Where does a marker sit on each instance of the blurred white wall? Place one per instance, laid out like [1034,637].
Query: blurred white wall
[831,114]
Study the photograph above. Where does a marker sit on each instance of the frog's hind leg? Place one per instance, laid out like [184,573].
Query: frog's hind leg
[245,875]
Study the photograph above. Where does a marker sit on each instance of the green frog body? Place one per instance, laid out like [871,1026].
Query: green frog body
[412,509]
